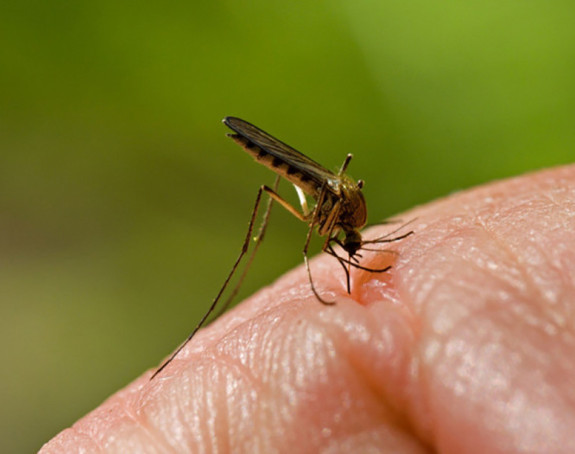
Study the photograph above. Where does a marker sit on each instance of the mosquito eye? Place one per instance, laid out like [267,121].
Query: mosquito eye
[360,184]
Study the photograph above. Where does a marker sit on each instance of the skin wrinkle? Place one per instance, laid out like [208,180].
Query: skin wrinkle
[428,250]
[132,405]
[268,409]
[517,304]
[289,349]
[428,310]
[228,365]
[430,297]
[321,360]
[397,418]
[494,379]
[264,343]
[313,363]
[501,245]
[463,323]
[478,377]
[413,372]
[243,367]
[110,442]
[80,436]
[385,415]
[556,267]
[99,416]
[90,436]
[392,415]
[522,265]
[133,413]
[512,256]
[148,405]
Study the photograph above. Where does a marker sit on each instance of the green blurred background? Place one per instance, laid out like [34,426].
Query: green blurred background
[123,204]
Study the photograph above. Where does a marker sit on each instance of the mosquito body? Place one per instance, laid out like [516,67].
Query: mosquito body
[338,214]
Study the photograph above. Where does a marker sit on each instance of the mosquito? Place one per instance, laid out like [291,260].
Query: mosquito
[338,215]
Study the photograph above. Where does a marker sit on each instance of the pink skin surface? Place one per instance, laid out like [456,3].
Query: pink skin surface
[466,346]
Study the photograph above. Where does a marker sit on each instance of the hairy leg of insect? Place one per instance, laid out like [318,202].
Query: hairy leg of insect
[332,252]
[302,217]
[315,215]
[274,196]
[224,286]
[329,249]
[385,238]
[302,200]
[258,240]
[284,203]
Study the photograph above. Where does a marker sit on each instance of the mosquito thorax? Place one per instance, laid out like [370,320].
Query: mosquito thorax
[354,210]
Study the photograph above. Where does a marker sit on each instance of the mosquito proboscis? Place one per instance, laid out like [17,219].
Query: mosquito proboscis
[338,215]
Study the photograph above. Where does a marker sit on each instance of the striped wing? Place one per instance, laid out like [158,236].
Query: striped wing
[307,167]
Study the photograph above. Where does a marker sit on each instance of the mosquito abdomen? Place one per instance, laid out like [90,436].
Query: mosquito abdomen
[278,165]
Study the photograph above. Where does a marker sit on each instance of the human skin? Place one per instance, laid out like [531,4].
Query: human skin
[467,345]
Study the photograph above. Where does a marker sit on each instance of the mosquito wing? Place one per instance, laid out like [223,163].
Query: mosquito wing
[292,165]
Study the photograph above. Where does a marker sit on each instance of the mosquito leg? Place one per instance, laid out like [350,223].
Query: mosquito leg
[263,227]
[355,257]
[315,215]
[319,298]
[359,267]
[258,241]
[284,203]
[329,249]
[224,286]
[303,217]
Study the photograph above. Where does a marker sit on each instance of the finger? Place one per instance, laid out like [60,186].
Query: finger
[448,351]
[490,284]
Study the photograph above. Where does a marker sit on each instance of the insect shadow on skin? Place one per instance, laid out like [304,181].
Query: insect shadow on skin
[338,214]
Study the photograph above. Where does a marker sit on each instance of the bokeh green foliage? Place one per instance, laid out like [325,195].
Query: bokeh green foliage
[122,204]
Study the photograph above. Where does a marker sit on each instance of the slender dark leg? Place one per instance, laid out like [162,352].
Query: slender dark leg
[258,241]
[312,224]
[329,249]
[355,265]
[273,197]
[352,261]
[224,286]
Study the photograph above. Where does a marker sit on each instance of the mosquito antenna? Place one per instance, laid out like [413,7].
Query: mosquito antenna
[385,239]
[391,221]
[379,250]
